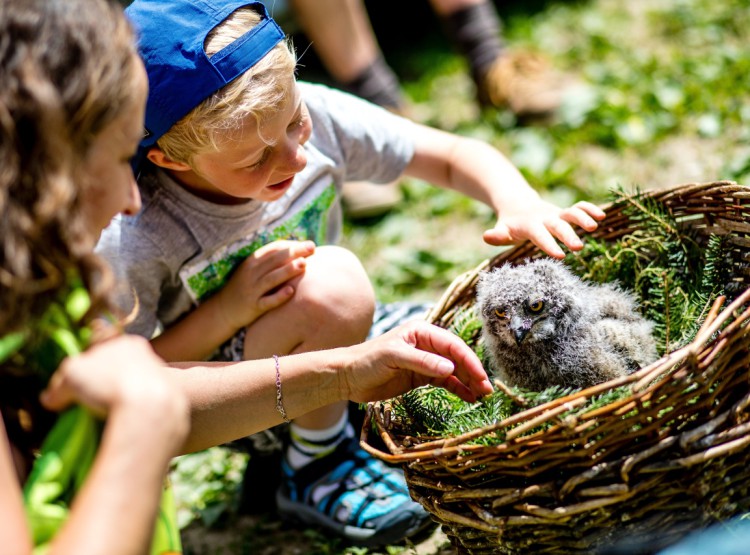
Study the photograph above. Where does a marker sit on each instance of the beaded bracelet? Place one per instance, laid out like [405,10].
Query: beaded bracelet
[279,404]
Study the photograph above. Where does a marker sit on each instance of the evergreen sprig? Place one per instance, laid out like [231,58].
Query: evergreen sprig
[673,276]
[433,411]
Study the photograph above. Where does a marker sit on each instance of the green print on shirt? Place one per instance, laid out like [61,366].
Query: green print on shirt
[310,223]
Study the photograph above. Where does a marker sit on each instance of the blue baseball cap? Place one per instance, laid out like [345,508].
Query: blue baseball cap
[171,35]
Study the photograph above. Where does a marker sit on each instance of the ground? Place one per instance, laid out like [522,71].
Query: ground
[268,536]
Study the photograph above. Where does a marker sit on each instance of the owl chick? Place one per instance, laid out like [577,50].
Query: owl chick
[544,326]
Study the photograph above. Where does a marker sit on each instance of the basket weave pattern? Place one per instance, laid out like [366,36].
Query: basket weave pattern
[671,456]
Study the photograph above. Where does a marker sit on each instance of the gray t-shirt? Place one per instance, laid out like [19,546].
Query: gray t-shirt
[180,248]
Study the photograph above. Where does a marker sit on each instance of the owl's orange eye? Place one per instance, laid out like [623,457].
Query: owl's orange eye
[501,314]
[536,306]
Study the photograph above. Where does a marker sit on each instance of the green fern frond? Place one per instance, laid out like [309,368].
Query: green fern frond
[466,325]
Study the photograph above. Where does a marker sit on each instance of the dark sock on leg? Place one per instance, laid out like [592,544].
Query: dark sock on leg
[476,32]
[378,84]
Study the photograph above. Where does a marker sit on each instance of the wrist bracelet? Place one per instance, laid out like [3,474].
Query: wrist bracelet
[279,404]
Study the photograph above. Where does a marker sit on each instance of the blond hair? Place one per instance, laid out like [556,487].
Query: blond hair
[258,93]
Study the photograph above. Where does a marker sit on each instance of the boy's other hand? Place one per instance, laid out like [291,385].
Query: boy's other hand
[266,280]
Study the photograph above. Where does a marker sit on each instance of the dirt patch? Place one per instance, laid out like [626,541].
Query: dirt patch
[266,535]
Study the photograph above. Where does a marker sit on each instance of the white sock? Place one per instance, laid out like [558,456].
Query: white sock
[307,445]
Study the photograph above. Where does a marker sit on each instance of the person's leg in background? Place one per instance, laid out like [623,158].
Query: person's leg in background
[518,80]
[343,38]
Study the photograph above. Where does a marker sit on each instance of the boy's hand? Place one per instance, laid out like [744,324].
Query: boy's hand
[542,223]
[263,282]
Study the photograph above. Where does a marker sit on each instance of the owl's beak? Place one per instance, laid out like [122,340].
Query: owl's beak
[519,333]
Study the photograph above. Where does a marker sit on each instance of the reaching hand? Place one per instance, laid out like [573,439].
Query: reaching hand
[543,223]
[263,281]
[412,355]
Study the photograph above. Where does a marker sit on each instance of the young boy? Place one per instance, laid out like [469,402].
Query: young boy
[241,161]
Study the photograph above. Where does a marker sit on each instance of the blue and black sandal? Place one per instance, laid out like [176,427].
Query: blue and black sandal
[352,494]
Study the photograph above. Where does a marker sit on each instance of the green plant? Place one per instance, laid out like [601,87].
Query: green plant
[206,485]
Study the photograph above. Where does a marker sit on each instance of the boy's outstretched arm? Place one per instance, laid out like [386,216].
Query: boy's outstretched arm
[264,281]
[480,171]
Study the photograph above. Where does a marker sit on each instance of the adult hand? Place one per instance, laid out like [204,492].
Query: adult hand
[544,222]
[412,355]
[263,281]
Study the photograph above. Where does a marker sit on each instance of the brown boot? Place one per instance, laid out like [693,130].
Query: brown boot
[524,83]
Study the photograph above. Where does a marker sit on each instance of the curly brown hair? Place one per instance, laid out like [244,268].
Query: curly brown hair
[66,72]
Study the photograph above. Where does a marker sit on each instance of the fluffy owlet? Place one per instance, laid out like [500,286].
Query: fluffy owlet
[544,326]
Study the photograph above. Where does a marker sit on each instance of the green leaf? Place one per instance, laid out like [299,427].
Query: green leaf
[77,304]
[67,341]
[11,344]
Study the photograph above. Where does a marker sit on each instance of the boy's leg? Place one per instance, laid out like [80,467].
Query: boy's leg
[328,480]
[332,307]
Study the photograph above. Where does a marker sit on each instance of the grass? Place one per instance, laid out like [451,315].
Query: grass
[663,100]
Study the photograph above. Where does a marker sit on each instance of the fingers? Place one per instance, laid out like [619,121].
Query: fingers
[273,266]
[280,251]
[467,379]
[591,209]
[546,226]
[275,298]
[103,374]
[438,371]
[583,214]
[536,232]
[57,395]
[499,236]
[275,278]
[563,231]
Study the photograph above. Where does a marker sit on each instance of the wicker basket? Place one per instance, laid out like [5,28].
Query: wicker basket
[670,457]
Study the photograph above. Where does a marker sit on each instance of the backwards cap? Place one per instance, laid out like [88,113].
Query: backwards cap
[180,74]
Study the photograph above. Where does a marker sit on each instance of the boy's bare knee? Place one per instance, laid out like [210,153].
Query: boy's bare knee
[332,306]
[336,290]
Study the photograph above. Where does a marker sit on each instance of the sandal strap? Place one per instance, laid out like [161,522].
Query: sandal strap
[351,469]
